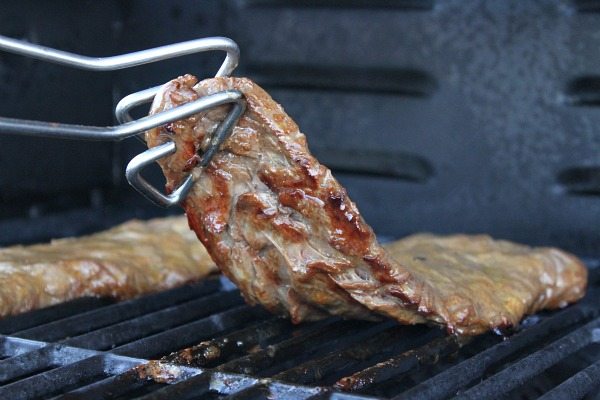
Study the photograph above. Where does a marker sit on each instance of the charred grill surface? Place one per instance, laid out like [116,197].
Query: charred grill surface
[226,348]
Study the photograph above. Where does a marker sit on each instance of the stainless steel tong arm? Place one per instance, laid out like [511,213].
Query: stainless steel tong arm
[129,127]
[116,132]
[130,59]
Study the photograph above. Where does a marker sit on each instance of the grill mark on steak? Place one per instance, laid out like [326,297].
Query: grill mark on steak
[263,216]
[383,272]
[217,204]
[349,234]
[299,231]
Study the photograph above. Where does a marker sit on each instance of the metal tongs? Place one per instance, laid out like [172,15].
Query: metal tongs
[127,126]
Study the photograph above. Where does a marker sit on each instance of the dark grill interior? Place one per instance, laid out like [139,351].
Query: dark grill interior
[436,115]
[442,116]
[86,349]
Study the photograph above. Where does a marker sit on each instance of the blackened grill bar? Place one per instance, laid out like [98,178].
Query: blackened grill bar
[578,385]
[244,353]
[451,380]
[96,319]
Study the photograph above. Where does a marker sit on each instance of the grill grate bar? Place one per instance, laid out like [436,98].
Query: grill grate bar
[43,316]
[330,335]
[259,391]
[451,380]
[343,396]
[217,348]
[38,360]
[192,388]
[400,364]
[528,367]
[115,385]
[334,336]
[228,383]
[72,374]
[210,352]
[26,364]
[104,316]
[158,321]
[267,389]
[576,386]
[374,349]
[11,346]
[185,335]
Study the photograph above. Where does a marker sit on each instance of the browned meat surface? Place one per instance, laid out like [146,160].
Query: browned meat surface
[477,283]
[131,259]
[285,231]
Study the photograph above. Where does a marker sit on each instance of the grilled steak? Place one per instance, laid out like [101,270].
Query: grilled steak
[267,248]
[285,231]
[131,259]
[474,283]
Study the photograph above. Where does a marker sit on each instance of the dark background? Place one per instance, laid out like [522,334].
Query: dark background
[442,116]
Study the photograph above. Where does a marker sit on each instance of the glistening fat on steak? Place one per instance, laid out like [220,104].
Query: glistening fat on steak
[285,231]
[128,260]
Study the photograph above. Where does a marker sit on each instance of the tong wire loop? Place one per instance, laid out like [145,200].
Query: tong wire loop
[139,162]
[133,100]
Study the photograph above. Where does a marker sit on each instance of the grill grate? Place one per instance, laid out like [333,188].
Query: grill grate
[97,349]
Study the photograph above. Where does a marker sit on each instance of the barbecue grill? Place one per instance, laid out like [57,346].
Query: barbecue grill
[213,345]
[443,116]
